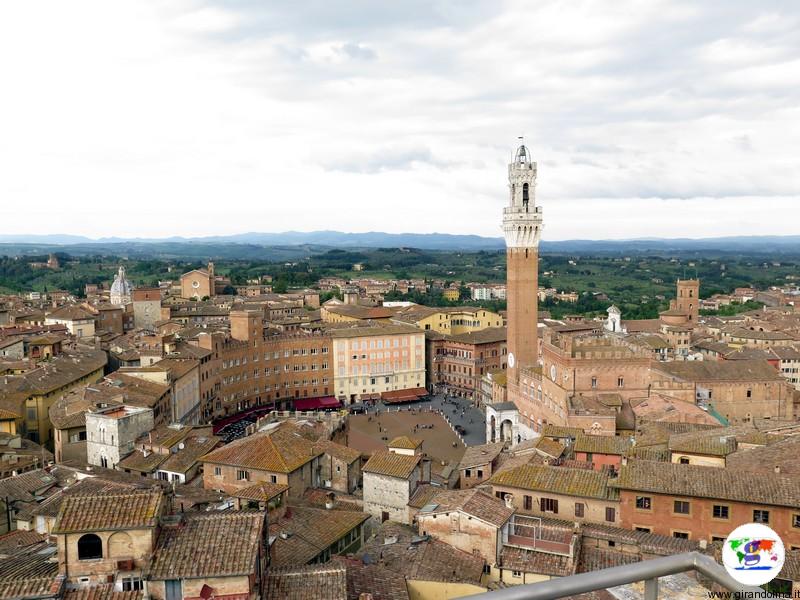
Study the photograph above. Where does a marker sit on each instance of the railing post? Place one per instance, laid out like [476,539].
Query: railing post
[651,589]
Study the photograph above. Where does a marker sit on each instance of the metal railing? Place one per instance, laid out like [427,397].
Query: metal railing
[648,571]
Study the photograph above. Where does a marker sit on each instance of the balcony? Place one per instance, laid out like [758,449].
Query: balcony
[529,534]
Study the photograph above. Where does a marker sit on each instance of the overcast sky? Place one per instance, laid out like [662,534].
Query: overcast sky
[647,118]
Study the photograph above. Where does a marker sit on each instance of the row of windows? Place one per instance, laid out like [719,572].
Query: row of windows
[375,369]
[620,382]
[718,511]
[550,505]
[377,355]
[235,362]
[372,344]
[256,373]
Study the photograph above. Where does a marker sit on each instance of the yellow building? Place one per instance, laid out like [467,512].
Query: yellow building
[32,394]
[8,421]
[451,294]
[450,320]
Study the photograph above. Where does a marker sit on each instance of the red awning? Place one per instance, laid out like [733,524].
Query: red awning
[315,403]
[403,395]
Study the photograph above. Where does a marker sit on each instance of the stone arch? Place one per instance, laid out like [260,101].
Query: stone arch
[120,545]
[506,431]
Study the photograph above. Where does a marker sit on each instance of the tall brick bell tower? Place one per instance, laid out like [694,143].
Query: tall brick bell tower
[522,226]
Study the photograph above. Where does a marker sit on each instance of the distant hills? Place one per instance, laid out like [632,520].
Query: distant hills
[296,242]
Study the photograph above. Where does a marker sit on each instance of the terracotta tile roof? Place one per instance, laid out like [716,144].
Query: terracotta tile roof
[476,456]
[474,503]
[26,486]
[658,452]
[185,458]
[423,495]
[133,390]
[56,373]
[392,464]
[31,573]
[595,559]
[529,561]
[307,582]
[134,509]
[70,312]
[361,312]
[91,485]
[782,454]
[380,582]
[141,462]
[282,450]
[421,558]
[262,492]
[166,436]
[602,444]
[651,543]
[710,444]
[311,531]
[709,370]
[791,566]
[372,329]
[20,538]
[708,482]
[102,592]
[558,431]
[343,453]
[507,462]
[319,498]
[230,542]
[547,446]
[405,442]
[7,415]
[558,480]
[488,335]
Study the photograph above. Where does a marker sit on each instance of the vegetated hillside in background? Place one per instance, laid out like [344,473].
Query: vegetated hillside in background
[250,242]
[640,285]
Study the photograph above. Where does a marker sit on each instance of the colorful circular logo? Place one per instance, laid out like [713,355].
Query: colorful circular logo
[753,554]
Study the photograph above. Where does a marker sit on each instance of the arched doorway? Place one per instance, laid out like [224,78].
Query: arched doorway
[506,431]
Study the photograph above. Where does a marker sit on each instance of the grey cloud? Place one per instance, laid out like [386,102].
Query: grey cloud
[385,159]
[357,51]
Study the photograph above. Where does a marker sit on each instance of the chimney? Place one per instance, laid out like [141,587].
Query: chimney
[777,469]
[703,544]
[330,501]
[624,461]
[509,499]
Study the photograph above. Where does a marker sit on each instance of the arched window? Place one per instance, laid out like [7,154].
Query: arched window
[89,547]
[525,195]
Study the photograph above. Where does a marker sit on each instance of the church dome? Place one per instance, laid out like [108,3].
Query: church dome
[121,289]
